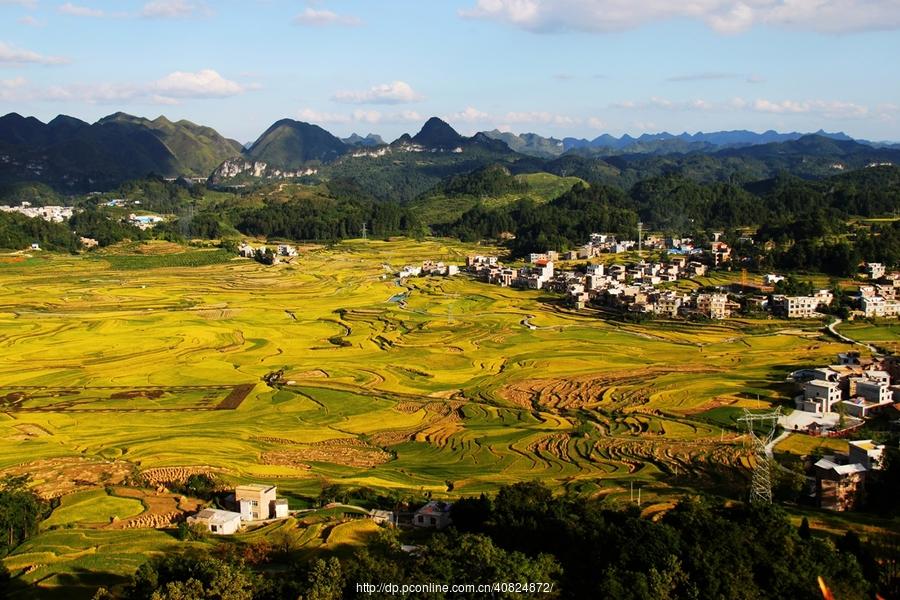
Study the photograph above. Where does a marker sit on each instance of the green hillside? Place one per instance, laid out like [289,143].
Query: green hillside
[445,208]
[198,149]
[291,144]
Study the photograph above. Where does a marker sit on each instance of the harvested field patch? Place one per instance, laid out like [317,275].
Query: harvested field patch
[621,389]
[717,402]
[350,452]
[163,509]
[315,373]
[56,477]
[40,399]
[169,475]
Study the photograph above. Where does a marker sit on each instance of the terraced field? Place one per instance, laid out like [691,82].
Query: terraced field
[446,385]
[158,371]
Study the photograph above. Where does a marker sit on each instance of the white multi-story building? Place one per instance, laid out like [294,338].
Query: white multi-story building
[875,270]
[819,396]
[878,306]
[798,307]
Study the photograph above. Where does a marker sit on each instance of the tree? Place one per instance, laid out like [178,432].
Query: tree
[196,576]
[804,532]
[20,512]
[325,580]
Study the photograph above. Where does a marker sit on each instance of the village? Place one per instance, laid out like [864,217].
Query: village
[649,288]
[53,214]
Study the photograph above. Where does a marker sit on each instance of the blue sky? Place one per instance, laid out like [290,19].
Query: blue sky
[555,67]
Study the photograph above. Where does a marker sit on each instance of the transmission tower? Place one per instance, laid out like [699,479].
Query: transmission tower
[365,232]
[760,437]
[640,238]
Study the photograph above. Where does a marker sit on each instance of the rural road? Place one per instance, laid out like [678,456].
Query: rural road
[770,447]
[831,328]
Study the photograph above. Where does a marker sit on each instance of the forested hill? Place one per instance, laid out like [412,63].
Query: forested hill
[810,219]
[75,156]
[290,144]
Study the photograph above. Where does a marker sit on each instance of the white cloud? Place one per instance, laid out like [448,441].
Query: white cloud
[827,108]
[656,102]
[596,123]
[171,9]
[321,118]
[321,18]
[469,115]
[22,3]
[724,16]
[30,21]
[202,84]
[80,11]
[506,121]
[171,89]
[398,92]
[8,87]
[358,116]
[539,117]
[10,55]
[831,109]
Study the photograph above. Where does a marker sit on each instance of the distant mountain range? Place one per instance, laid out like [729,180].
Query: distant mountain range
[71,154]
[533,144]
[74,156]
[368,141]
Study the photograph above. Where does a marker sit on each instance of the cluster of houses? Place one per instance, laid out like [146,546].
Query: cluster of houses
[636,287]
[854,387]
[54,214]
[252,503]
[879,299]
[631,287]
[428,268]
[266,255]
[835,400]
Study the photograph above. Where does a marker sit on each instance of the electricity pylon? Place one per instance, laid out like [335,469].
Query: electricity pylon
[761,485]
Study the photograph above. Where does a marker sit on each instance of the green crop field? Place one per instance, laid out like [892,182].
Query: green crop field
[92,507]
[882,333]
[453,388]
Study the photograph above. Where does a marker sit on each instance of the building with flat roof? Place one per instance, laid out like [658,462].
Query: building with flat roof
[819,396]
[867,453]
[217,522]
[256,501]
